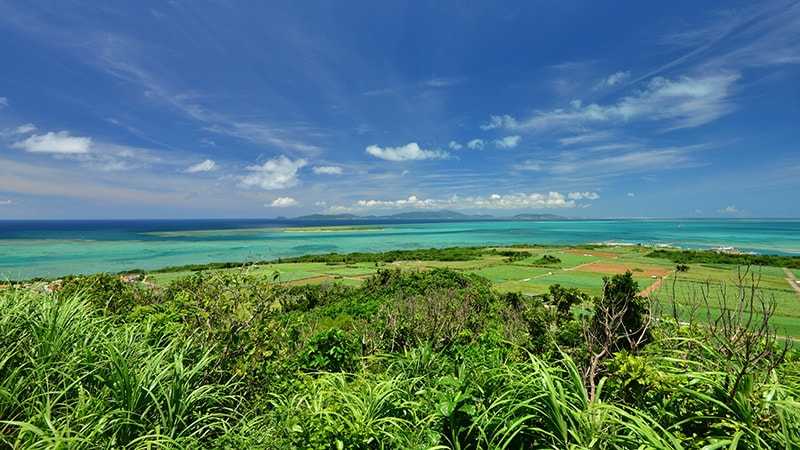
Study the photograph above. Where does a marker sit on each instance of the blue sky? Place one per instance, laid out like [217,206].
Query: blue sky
[258,109]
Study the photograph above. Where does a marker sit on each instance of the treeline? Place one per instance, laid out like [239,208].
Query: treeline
[713,257]
[433,359]
[425,254]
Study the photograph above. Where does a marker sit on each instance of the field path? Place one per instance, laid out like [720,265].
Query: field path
[653,287]
[792,280]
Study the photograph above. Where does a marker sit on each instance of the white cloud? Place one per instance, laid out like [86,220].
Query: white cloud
[529,165]
[631,162]
[585,138]
[614,79]
[684,102]
[631,194]
[729,210]
[6,202]
[277,173]
[583,196]
[455,145]
[283,202]
[204,166]
[475,144]
[25,128]
[408,152]
[534,200]
[508,142]
[60,143]
[327,170]
[3,102]
[264,134]
[441,82]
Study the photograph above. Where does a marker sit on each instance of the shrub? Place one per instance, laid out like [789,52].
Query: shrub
[547,260]
[105,291]
[563,299]
[332,350]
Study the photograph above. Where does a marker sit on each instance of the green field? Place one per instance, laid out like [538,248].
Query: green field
[582,268]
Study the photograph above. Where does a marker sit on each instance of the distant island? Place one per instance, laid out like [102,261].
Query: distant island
[425,215]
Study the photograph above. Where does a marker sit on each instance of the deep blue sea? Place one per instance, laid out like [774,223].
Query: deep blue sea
[53,248]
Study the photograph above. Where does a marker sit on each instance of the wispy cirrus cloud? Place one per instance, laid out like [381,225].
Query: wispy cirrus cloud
[614,79]
[613,163]
[585,138]
[684,102]
[204,166]
[757,35]
[409,152]
[25,128]
[327,170]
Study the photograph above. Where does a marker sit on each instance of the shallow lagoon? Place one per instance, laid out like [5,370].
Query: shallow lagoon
[31,249]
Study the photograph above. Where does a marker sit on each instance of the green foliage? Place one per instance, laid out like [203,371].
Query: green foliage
[620,314]
[425,254]
[432,359]
[105,291]
[514,255]
[547,260]
[563,299]
[681,268]
[712,257]
[332,350]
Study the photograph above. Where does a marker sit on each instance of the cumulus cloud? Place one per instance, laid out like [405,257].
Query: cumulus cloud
[684,102]
[59,143]
[455,145]
[475,144]
[204,166]
[508,142]
[631,194]
[494,201]
[729,210]
[408,152]
[283,202]
[327,170]
[583,196]
[277,173]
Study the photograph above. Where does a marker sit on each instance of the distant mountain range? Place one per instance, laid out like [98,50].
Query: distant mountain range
[426,215]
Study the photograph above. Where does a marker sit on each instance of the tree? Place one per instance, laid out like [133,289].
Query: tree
[621,321]
[564,299]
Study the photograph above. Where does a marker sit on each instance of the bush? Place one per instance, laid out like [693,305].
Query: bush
[547,260]
[105,291]
[331,351]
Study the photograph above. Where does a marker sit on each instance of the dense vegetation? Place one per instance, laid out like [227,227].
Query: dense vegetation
[712,257]
[433,359]
[423,254]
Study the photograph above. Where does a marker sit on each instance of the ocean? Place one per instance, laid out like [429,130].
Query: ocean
[54,248]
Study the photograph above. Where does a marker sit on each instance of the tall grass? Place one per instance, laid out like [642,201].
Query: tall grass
[71,379]
[74,374]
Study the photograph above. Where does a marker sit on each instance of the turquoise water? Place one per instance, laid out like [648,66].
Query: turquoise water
[49,249]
